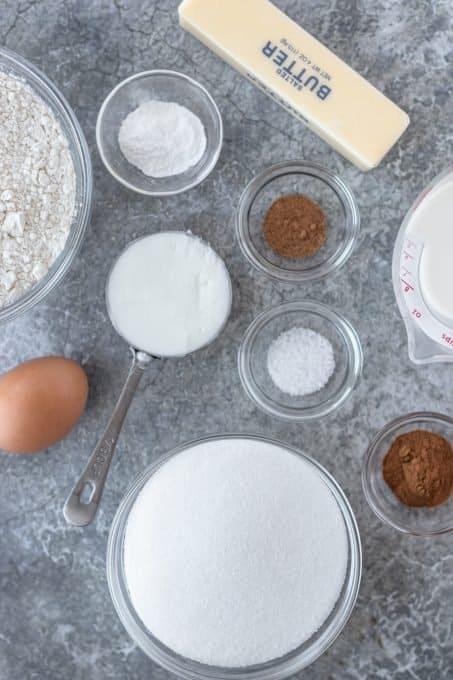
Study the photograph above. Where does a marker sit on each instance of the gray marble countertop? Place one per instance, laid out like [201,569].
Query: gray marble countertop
[56,618]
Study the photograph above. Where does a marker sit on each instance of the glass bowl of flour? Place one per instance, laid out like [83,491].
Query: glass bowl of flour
[45,186]
[159,133]
[234,556]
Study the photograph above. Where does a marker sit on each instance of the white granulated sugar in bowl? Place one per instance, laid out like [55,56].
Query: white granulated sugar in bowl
[300,361]
[37,188]
[235,552]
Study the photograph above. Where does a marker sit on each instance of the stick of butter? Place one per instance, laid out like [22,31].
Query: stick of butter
[300,73]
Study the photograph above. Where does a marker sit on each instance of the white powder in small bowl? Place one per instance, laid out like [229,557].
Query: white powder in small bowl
[235,552]
[162,138]
[300,361]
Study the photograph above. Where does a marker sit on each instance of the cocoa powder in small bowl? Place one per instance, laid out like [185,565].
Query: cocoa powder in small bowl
[295,226]
[419,468]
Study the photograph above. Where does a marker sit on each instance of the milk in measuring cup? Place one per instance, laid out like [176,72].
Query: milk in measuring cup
[432,224]
[423,272]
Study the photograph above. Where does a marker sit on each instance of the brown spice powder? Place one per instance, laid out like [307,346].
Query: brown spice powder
[295,226]
[419,468]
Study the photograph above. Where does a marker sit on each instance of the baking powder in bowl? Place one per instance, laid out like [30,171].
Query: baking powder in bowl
[235,552]
[162,138]
[169,294]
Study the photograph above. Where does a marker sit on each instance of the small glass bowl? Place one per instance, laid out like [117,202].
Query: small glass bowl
[321,186]
[382,500]
[165,86]
[20,68]
[276,669]
[252,360]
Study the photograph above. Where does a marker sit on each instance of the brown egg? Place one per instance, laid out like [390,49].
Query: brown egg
[40,402]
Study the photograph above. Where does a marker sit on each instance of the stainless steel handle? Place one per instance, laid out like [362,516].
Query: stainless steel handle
[92,479]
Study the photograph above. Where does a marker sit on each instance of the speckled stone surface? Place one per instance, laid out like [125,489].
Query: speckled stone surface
[56,618]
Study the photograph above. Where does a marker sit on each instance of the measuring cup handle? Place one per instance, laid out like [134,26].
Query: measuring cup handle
[94,475]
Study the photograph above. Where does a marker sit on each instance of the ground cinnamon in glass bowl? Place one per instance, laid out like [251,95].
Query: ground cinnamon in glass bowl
[419,468]
[295,226]
[297,189]
[407,474]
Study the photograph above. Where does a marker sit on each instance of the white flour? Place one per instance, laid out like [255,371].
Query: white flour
[37,188]
[162,138]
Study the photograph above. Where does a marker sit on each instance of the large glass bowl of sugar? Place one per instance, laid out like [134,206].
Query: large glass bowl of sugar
[234,557]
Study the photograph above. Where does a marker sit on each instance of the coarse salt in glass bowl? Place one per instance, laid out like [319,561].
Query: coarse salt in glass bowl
[381,499]
[186,668]
[323,187]
[169,86]
[266,327]
[15,65]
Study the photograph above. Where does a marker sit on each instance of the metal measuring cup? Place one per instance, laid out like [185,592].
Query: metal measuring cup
[90,485]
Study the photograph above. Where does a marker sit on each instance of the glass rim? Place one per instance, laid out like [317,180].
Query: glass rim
[338,187]
[354,368]
[371,497]
[276,669]
[78,146]
[211,103]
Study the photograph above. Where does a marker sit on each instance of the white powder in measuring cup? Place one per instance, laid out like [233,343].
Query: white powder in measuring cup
[162,138]
[37,188]
[300,361]
[169,294]
[235,552]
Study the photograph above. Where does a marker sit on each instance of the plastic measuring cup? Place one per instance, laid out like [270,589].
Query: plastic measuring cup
[83,501]
[429,332]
